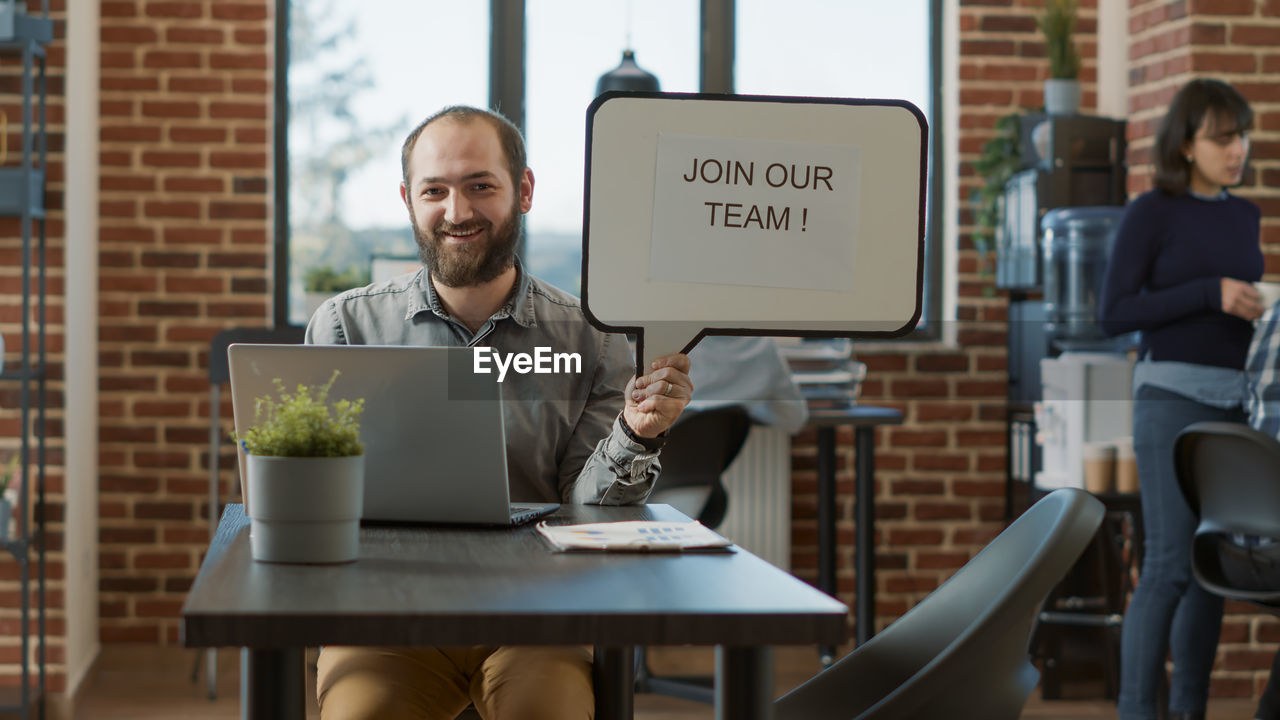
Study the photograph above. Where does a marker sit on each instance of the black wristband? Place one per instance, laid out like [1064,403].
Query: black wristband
[651,444]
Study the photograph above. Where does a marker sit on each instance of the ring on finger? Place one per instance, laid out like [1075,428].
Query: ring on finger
[667,392]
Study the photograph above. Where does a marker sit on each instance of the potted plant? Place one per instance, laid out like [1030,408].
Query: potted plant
[8,495]
[305,468]
[1062,89]
[1000,159]
[321,282]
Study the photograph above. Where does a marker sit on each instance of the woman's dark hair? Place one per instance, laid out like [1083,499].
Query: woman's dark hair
[1198,99]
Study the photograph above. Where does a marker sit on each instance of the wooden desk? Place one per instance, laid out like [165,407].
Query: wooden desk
[463,586]
[864,419]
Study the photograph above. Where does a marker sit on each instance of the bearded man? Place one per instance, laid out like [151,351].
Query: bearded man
[590,437]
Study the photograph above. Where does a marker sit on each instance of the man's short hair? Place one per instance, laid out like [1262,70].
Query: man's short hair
[508,136]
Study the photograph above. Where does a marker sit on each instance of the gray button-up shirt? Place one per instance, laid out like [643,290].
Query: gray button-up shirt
[564,443]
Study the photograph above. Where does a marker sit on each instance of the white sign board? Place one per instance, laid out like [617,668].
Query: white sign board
[714,214]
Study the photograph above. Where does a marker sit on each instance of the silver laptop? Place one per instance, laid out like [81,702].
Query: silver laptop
[435,449]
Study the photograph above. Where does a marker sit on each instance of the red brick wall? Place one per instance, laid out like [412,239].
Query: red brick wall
[1237,41]
[184,252]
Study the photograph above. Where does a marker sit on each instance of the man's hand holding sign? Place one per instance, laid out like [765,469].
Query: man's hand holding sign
[654,401]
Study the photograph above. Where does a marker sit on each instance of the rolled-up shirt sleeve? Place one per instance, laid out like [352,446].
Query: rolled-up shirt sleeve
[618,470]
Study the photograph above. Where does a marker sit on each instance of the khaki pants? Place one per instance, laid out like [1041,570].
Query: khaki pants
[507,683]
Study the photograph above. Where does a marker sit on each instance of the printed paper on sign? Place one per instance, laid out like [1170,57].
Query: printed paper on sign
[754,212]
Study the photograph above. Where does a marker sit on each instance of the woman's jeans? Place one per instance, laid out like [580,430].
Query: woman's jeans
[1169,612]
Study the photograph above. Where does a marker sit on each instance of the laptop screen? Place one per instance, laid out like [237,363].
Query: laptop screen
[435,449]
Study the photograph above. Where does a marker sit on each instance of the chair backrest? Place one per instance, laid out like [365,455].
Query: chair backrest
[1230,476]
[700,447]
[962,652]
[220,370]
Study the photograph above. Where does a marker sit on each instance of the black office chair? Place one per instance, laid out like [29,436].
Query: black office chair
[700,447]
[220,374]
[1230,476]
[962,652]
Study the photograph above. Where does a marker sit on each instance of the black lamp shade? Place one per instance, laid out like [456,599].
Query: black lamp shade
[628,76]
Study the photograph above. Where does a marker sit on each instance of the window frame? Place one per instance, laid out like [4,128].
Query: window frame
[507,82]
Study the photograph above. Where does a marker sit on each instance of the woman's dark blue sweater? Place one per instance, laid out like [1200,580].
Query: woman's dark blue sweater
[1164,276]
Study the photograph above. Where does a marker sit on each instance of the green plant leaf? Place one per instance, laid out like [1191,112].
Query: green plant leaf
[324,279]
[301,424]
[1058,25]
[1001,158]
[7,472]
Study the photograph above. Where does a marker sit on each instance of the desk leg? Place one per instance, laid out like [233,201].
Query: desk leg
[744,683]
[865,562]
[614,675]
[827,524]
[272,685]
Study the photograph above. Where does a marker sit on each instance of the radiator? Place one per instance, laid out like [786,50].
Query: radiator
[759,487]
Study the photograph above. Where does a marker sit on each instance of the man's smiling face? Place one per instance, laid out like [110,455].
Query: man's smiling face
[464,205]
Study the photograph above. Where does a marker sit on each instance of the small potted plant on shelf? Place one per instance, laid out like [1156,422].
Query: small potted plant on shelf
[1062,89]
[305,468]
[1000,159]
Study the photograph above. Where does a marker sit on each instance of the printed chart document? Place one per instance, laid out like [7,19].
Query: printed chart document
[638,535]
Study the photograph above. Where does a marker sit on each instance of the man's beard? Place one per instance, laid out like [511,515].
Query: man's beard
[468,264]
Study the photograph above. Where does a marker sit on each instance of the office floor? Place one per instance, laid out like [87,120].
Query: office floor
[145,683]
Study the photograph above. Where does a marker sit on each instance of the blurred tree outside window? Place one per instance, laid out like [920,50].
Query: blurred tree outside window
[361,75]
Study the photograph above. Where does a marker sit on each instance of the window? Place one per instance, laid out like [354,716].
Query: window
[838,48]
[571,43]
[358,82]
[360,76]
[834,48]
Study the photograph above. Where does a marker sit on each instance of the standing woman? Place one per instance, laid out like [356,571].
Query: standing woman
[1185,256]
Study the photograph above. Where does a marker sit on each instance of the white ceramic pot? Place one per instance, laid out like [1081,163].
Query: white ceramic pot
[305,509]
[1061,96]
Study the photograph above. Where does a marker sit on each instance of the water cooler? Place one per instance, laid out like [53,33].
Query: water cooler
[1085,391]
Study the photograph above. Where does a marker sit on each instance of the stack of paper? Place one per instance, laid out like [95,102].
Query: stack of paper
[825,372]
[639,535]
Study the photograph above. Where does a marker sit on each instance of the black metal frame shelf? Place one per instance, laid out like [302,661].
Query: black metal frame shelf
[1079,162]
[22,196]
[34,374]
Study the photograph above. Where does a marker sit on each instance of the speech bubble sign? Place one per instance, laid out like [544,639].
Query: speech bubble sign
[747,215]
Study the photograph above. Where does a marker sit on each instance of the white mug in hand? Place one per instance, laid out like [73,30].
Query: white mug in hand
[1270,292]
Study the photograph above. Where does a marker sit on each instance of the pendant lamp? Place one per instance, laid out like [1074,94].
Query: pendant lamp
[628,76]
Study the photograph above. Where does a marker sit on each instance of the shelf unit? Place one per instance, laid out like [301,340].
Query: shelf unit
[22,196]
[1067,161]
